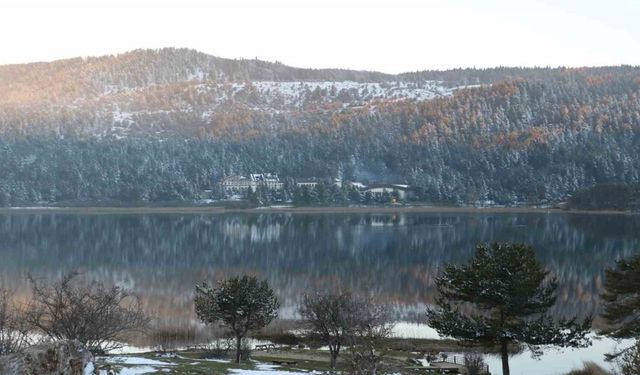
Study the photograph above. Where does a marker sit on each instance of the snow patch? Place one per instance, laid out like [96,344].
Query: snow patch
[294,92]
[135,370]
[265,369]
[137,361]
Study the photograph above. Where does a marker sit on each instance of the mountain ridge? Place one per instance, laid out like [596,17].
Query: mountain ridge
[175,92]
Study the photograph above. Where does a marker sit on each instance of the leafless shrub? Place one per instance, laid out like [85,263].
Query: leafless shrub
[628,360]
[589,368]
[13,329]
[372,325]
[171,338]
[94,314]
[220,348]
[328,320]
[341,319]
[474,362]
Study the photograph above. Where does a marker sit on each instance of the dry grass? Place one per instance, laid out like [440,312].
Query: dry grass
[171,338]
[589,368]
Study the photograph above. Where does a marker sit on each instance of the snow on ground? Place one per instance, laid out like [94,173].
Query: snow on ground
[214,360]
[122,117]
[197,75]
[136,365]
[557,362]
[264,369]
[140,366]
[553,362]
[292,91]
[138,370]
[122,360]
[408,330]
[89,369]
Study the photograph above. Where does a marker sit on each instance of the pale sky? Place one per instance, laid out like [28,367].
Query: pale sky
[385,35]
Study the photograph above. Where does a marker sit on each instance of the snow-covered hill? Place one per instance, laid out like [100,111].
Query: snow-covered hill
[174,92]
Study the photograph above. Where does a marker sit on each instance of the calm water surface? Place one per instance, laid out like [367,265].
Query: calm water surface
[162,257]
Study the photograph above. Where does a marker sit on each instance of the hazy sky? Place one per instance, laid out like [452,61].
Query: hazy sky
[389,35]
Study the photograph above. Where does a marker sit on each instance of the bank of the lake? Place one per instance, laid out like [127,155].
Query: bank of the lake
[208,209]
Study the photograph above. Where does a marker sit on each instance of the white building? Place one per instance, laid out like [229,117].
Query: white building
[313,182]
[269,180]
[235,184]
[240,184]
[402,191]
[307,182]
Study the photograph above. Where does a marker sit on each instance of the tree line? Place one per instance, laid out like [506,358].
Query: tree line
[607,196]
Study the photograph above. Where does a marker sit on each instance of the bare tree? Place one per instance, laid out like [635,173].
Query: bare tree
[92,313]
[13,329]
[165,337]
[328,317]
[341,319]
[474,362]
[372,325]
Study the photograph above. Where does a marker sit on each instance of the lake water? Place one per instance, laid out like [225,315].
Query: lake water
[397,256]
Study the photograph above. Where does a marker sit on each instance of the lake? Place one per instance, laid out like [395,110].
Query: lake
[397,256]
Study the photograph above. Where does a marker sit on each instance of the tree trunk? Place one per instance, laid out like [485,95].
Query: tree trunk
[504,352]
[334,356]
[238,350]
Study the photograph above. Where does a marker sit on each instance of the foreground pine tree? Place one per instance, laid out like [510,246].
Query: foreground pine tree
[506,296]
[242,304]
[621,307]
[621,299]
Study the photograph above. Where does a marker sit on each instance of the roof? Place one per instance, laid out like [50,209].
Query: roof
[264,177]
[358,185]
[234,177]
[389,186]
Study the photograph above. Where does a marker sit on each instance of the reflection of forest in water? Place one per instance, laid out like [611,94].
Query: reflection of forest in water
[162,257]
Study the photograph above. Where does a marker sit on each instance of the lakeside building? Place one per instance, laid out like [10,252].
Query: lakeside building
[268,180]
[401,192]
[307,182]
[237,184]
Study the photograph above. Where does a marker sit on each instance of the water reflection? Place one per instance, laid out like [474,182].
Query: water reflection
[161,257]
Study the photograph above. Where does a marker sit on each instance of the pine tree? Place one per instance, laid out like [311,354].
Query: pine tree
[621,300]
[252,197]
[321,193]
[242,304]
[509,294]
[630,361]
[354,195]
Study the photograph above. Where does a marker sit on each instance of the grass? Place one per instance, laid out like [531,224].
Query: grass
[301,365]
[307,356]
[195,362]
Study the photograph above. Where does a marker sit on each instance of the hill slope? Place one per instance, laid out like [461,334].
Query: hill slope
[174,92]
[161,125]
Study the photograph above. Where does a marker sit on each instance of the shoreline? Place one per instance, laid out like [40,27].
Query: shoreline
[212,210]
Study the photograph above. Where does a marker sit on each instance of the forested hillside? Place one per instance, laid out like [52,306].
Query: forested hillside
[163,125]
